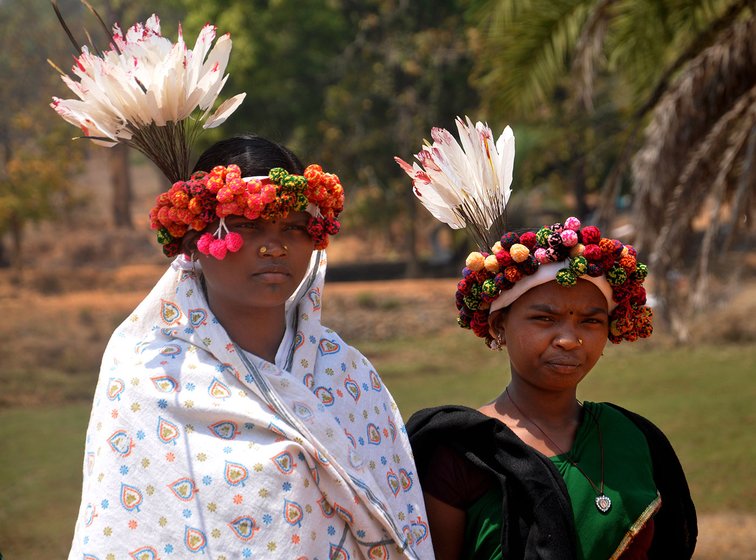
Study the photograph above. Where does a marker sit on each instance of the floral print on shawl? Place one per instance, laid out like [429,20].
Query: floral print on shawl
[195,447]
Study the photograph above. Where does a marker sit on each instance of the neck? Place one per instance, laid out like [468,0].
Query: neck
[549,409]
[257,330]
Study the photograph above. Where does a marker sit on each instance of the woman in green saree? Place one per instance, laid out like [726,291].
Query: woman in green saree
[535,473]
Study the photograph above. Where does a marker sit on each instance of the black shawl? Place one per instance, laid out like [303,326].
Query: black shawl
[538,521]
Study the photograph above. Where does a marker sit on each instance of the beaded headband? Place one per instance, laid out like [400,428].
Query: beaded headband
[564,253]
[210,197]
[467,186]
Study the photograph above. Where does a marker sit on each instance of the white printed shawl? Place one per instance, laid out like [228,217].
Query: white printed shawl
[197,448]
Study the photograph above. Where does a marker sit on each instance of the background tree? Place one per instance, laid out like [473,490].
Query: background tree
[283,57]
[675,82]
[35,173]
[405,70]
[87,28]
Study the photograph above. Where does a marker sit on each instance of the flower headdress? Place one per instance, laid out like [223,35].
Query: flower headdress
[507,266]
[209,197]
[156,96]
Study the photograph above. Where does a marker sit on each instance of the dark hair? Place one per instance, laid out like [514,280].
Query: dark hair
[253,154]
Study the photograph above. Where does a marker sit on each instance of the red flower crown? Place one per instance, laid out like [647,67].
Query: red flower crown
[209,197]
[487,275]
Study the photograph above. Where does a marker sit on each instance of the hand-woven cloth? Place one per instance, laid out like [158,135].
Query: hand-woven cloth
[195,447]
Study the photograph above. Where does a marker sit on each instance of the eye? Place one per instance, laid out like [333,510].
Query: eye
[247,224]
[295,227]
[542,318]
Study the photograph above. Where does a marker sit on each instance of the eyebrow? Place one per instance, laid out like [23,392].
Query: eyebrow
[545,308]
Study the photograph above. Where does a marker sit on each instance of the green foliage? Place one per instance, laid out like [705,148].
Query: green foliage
[586,74]
[405,70]
[284,57]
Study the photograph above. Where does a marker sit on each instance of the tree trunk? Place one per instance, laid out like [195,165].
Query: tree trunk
[120,179]
[16,229]
[120,172]
[4,262]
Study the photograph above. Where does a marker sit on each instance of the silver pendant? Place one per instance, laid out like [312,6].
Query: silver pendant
[603,503]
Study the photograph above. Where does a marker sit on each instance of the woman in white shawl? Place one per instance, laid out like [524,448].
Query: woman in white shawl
[227,421]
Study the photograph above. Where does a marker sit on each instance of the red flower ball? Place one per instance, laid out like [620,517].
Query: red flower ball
[592,252]
[504,259]
[528,239]
[590,234]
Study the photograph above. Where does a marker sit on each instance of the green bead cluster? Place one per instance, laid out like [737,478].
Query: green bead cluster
[579,265]
[565,277]
[489,288]
[542,236]
[164,237]
[278,175]
[616,275]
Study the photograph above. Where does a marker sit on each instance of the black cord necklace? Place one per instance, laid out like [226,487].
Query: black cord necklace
[603,502]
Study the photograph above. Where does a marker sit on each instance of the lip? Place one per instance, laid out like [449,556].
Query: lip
[272,274]
[564,366]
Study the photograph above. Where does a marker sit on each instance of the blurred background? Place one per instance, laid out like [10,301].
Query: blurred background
[636,115]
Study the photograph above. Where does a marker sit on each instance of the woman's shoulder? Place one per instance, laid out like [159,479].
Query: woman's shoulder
[464,429]
[444,418]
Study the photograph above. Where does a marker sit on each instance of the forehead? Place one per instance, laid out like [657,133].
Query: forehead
[584,295]
[292,217]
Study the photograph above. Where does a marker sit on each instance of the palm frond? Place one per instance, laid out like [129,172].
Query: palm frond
[589,50]
[705,93]
[538,38]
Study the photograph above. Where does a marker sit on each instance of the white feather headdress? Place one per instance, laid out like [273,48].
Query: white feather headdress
[149,93]
[466,184]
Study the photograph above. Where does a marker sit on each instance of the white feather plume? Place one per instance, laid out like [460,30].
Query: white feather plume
[465,184]
[150,93]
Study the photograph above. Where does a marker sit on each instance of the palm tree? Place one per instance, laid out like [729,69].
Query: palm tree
[680,75]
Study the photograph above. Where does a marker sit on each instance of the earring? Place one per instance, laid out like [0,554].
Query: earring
[193,258]
[286,248]
[262,250]
[580,341]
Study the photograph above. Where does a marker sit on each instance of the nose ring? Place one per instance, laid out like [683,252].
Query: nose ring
[262,250]
[580,341]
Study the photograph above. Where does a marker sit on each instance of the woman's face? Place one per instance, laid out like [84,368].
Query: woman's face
[554,334]
[251,278]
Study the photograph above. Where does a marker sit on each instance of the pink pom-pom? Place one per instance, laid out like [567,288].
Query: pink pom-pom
[572,223]
[268,194]
[542,256]
[218,248]
[569,238]
[234,241]
[203,243]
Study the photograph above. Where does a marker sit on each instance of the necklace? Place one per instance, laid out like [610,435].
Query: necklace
[603,502]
